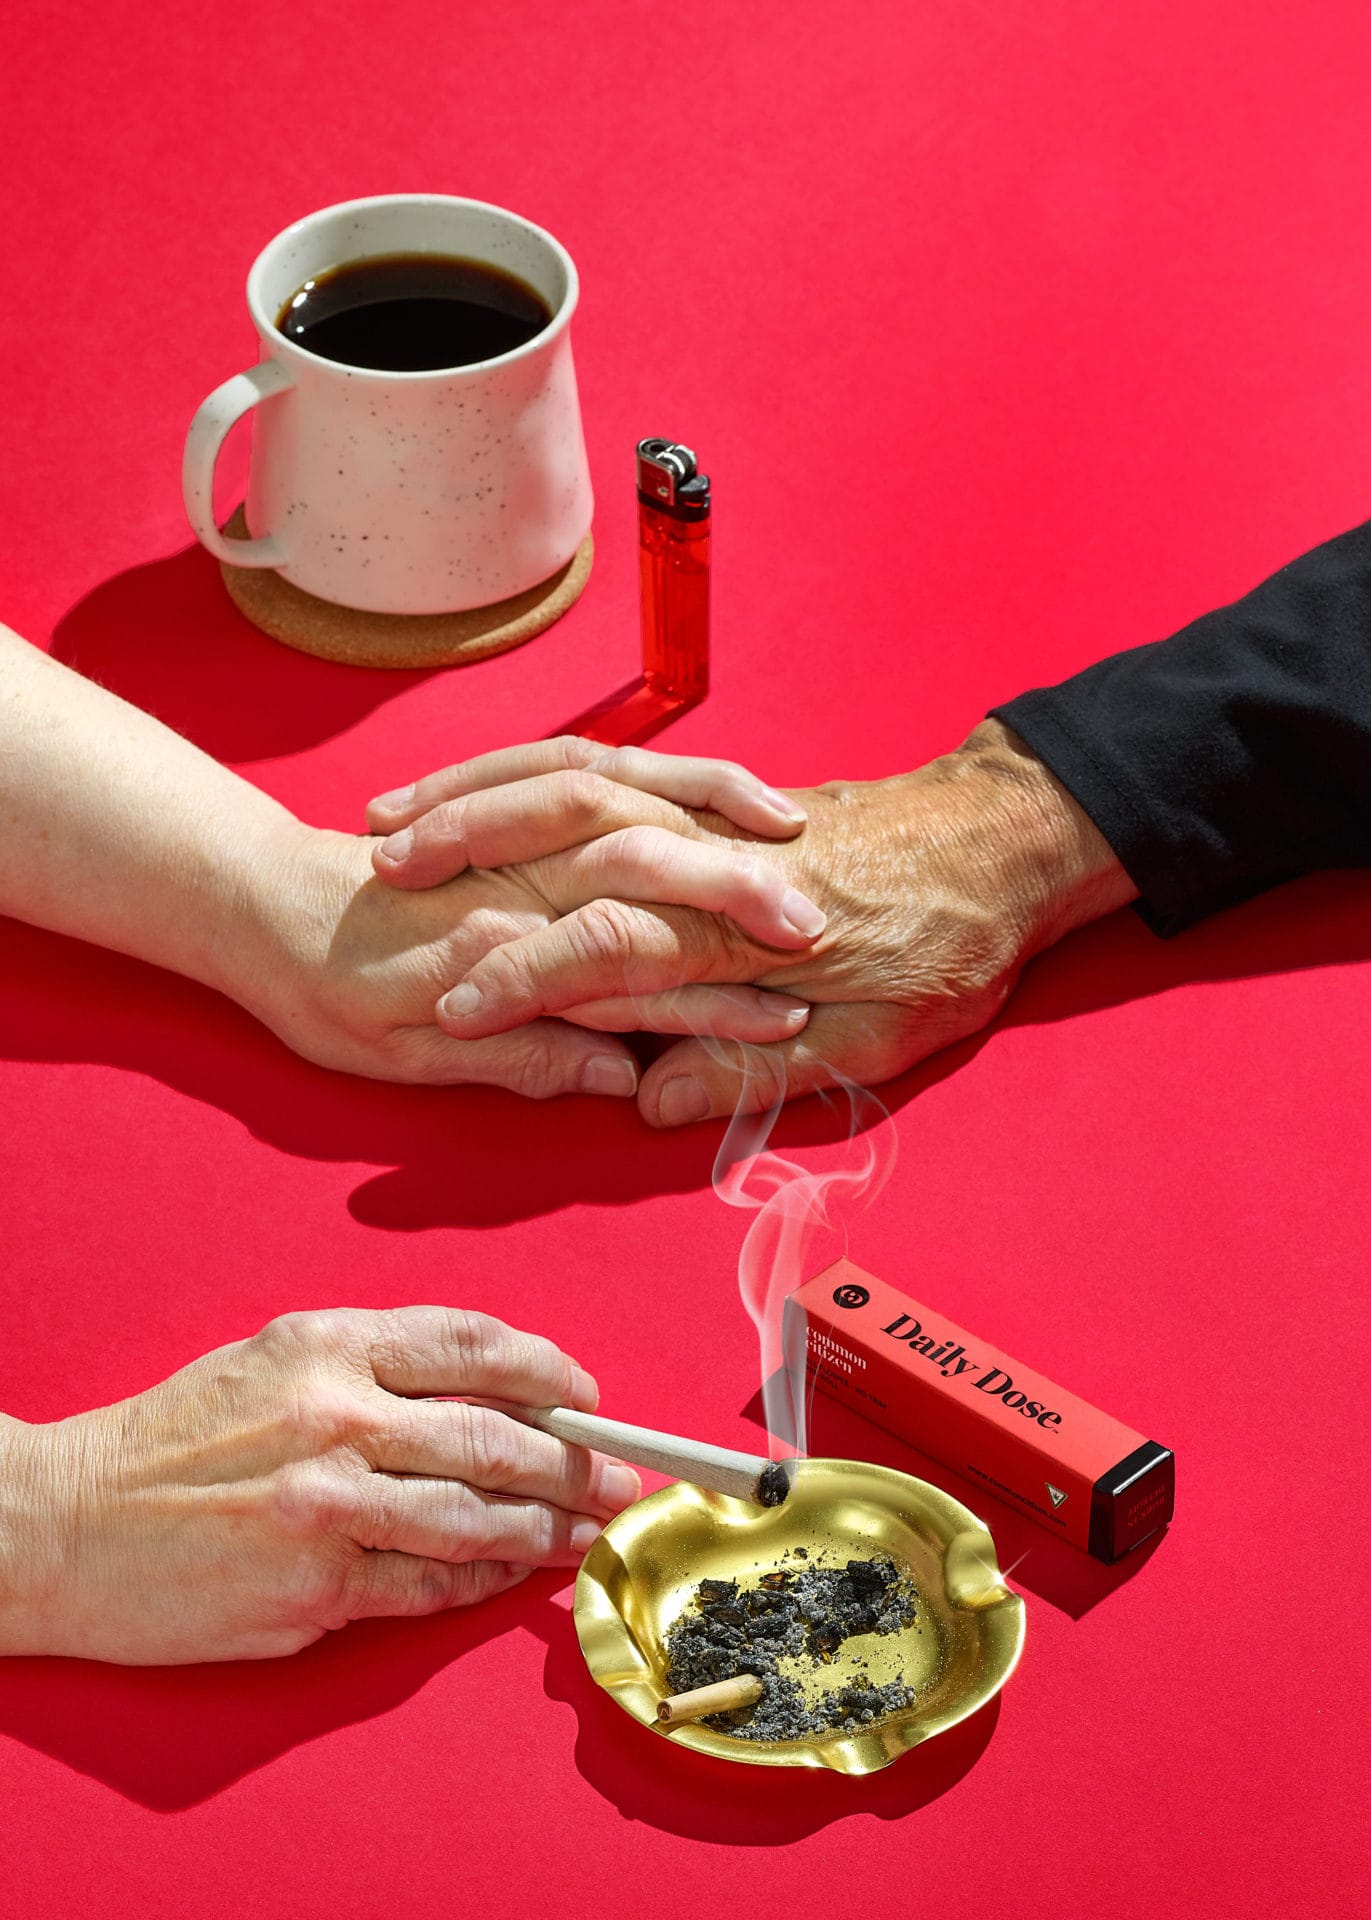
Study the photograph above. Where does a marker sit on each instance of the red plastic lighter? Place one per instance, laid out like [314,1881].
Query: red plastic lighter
[673,566]
[673,570]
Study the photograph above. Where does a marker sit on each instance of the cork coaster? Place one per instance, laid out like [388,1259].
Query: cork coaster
[357,639]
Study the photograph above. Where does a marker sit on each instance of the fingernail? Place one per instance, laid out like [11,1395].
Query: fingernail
[585,1394]
[584,1534]
[399,846]
[619,1486]
[793,1011]
[461,1002]
[393,801]
[802,914]
[610,1073]
[681,1101]
[783,804]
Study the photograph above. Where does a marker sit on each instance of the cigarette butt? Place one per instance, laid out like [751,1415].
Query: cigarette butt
[723,1697]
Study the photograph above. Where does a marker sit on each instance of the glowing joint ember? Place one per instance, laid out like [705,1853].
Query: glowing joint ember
[773,1483]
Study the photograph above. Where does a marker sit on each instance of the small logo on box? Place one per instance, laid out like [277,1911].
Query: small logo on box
[850,1296]
[1054,1494]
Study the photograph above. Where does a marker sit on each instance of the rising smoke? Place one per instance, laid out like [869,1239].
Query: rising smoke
[792,1204]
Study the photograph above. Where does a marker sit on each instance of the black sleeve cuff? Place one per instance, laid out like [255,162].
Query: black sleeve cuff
[1234,755]
[1173,889]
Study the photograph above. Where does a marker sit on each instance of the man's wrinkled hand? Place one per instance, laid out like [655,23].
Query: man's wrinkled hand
[278,1488]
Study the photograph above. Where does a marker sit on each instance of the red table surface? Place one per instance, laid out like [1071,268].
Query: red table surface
[1012,334]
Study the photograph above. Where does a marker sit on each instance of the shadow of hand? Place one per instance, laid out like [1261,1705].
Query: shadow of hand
[170,1737]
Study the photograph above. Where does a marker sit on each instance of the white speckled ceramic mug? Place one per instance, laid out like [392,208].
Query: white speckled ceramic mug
[403,492]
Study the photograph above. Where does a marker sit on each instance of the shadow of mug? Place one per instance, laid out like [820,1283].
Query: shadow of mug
[166,637]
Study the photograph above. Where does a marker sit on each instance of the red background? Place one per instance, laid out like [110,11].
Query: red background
[1012,334]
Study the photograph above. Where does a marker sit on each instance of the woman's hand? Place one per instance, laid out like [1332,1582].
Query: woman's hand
[500,846]
[285,1485]
[522,802]
[348,972]
[158,852]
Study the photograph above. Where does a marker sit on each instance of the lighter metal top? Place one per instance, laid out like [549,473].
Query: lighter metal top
[663,466]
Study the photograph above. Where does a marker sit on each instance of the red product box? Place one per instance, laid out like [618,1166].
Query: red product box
[1088,1477]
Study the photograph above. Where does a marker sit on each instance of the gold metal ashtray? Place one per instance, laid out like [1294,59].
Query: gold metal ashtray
[962,1646]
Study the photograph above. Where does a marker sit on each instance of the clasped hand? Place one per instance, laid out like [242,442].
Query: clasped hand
[514,917]
[528,836]
[895,923]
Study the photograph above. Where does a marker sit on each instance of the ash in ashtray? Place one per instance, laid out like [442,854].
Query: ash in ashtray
[805,1613]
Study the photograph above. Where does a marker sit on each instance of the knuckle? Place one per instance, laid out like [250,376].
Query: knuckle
[468,1438]
[751,876]
[437,786]
[546,1533]
[447,821]
[464,1435]
[770,1076]
[649,850]
[730,790]
[499,1356]
[639,842]
[467,1523]
[624,765]
[312,1500]
[537,1067]
[312,1333]
[477,1342]
[330,1419]
[377,1514]
[501,1455]
[766,1078]
[335,1588]
[422,1056]
[436,1584]
[507,973]
[360,1586]
[606,930]
[583,796]
[292,1331]
[710,945]
[470,1581]
[574,752]
[495,1526]
[394,1337]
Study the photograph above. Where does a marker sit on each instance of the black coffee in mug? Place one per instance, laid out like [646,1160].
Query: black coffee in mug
[413,313]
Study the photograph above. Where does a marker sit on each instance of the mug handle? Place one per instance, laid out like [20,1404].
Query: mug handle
[208,431]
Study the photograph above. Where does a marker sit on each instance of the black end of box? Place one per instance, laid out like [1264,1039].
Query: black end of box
[1131,1501]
